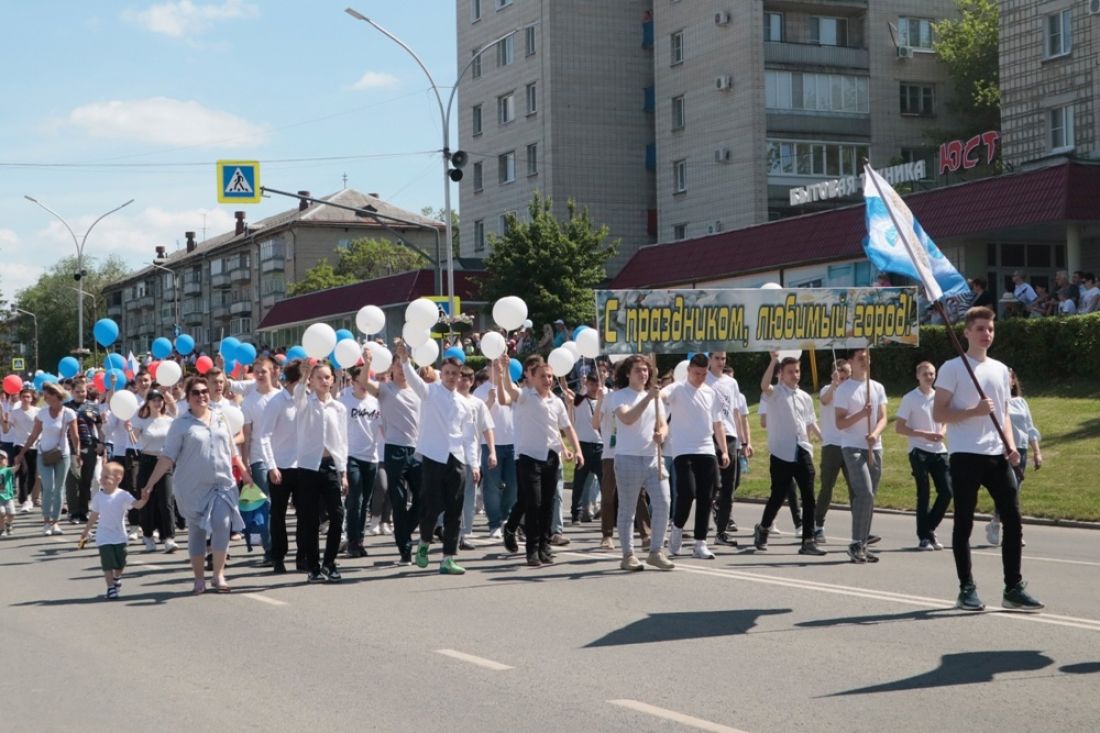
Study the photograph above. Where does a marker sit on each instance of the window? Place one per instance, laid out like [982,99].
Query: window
[533,159]
[216,266]
[343,243]
[274,284]
[501,4]
[475,122]
[506,108]
[679,231]
[479,235]
[916,33]
[272,249]
[502,222]
[816,92]
[475,65]
[475,11]
[918,99]
[678,113]
[529,40]
[238,326]
[1061,129]
[773,27]
[506,167]
[167,281]
[1059,34]
[679,176]
[478,181]
[505,50]
[532,98]
[676,41]
[829,31]
[814,158]
[928,155]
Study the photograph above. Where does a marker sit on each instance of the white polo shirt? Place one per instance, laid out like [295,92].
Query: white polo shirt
[321,426]
[253,408]
[692,413]
[503,428]
[543,419]
[830,435]
[790,413]
[445,418]
[852,396]
[278,437]
[916,410]
[975,434]
[729,397]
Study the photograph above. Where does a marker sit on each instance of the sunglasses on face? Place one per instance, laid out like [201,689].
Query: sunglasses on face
[200,392]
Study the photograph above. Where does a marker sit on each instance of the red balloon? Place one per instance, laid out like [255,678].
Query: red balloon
[12,384]
[97,380]
[204,364]
[153,368]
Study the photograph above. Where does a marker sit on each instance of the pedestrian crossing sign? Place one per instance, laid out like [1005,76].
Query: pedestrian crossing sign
[238,181]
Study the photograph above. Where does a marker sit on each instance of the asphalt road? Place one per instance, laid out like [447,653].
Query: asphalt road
[748,642]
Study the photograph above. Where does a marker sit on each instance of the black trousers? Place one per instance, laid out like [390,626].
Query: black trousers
[442,489]
[157,512]
[593,465]
[316,490]
[969,471]
[403,472]
[728,478]
[28,474]
[281,494]
[696,481]
[78,489]
[538,483]
[801,471]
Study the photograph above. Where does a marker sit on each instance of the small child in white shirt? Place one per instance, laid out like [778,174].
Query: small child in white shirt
[112,505]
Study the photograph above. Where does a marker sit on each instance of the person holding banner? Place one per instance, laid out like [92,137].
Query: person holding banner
[832,459]
[982,455]
[791,421]
[861,418]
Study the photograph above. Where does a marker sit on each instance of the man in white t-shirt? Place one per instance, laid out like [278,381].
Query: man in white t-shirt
[832,459]
[791,421]
[1090,295]
[983,453]
[695,427]
[737,443]
[251,451]
[861,419]
[927,454]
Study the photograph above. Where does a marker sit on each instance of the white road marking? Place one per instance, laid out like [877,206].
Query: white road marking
[264,599]
[675,717]
[479,661]
[1029,558]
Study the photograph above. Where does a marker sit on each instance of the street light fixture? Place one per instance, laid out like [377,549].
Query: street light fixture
[79,261]
[35,319]
[175,289]
[81,294]
[445,118]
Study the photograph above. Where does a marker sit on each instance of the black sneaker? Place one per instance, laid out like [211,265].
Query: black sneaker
[731,526]
[357,551]
[760,538]
[1017,598]
[856,553]
[810,548]
[724,539]
[870,556]
[331,574]
[873,539]
[533,560]
[315,577]
[406,558]
[278,567]
[545,556]
[510,542]
[968,598]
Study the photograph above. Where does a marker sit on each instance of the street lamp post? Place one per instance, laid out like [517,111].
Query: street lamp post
[79,260]
[82,295]
[35,319]
[175,289]
[445,118]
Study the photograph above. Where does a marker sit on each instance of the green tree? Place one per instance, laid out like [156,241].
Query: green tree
[968,46]
[319,277]
[363,259]
[53,300]
[440,215]
[553,265]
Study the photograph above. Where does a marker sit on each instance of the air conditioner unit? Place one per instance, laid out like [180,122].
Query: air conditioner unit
[905,52]
[724,82]
[722,18]
[723,155]
[1094,7]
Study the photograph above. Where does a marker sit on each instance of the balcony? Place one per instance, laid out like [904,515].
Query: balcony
[277,264]
[811,54]
[240,307]
[193,318]
[192,287]
[220,310]
[139,303]
[221,280]
[268,301]
[240,275]
[114,311]
[821,123]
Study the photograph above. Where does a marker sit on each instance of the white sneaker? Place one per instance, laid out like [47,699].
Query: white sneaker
[57,529]
[133,536]
[993,533]
[497,534]
[170,546]
[774,530]
[375,530]
[150,544]
[631,564]
[659,561]
[26,507]
[47,530]
[675,541]
[387,528]
[701,551]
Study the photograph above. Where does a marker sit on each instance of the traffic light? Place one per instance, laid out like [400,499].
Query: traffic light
[458,162]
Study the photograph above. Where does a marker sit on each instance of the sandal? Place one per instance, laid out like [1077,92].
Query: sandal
[200,588]
[222,587]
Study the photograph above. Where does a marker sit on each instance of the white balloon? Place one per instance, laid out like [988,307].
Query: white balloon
[528,323]
[234,417]
[319,340]
[792,353]
[426,353]
[348,353]
[561,361]
[422,313]
[588,343]
[510,312]
[572,346]
[771,286]
[415,335]
[381,358]
[493,345]
[168,373]
[680,373]
[370,320]
[124,404]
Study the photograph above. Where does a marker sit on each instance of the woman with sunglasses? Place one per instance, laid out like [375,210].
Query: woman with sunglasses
[55,430]
[200,451]
[150,428]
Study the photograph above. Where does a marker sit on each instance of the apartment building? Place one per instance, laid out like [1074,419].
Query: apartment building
[224,286]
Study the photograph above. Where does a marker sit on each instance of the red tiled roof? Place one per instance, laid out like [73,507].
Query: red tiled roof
[1068,191]
[383,291]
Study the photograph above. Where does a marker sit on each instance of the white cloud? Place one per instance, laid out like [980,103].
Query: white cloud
[17,276]
[8,238]
[184,18]
[166,121]
[374,80]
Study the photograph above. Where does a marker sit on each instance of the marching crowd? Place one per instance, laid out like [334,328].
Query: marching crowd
[411,453]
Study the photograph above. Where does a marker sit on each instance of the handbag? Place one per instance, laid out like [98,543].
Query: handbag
[53,457]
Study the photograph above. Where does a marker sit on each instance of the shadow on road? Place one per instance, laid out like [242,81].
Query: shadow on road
[659,627]
[967,668]
[882,618]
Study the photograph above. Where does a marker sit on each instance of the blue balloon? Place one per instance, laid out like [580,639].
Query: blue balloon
[228,348]
[43,378]
[115,361]
[114,379]
[246,354]
[342,334]
[184,344]
[161,348]
[455,352]
[296,352]
[68,367]
[90,374]
[105,332]
[578,329]
[515,369]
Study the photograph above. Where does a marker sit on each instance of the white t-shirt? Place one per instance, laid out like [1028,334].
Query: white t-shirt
[252,407]
[729,399]
[851,397]
[830,435]
[364,427]
[400,414]
[790,412]
[975,434]
[1067,307]
[543,419]
[503,429]
[111,508]
[916,410]
[151,432]
[55,430]
[691,414]
[582,421]
[22,422]
[636,439]
[1090,300]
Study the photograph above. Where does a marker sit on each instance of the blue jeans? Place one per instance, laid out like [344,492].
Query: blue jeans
[361,475]
[53,486]
[259,477]
[403,474]
[498,500]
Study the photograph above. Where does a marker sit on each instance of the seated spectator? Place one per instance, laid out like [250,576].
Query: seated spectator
[1090,296]
[546,343]
[1067,306]
[1062,284]
[982,296]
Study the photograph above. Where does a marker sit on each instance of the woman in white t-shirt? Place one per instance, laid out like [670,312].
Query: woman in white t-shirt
[58,445]
[21,421]
[150,429]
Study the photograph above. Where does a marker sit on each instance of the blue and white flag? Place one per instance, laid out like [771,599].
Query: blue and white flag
[910,251]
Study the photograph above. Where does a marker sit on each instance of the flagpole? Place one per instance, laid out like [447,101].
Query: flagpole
[938,305]
[870,447]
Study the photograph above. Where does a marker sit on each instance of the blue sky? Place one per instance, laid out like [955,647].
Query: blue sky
[144,97]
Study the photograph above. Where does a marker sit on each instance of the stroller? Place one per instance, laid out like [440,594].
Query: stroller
[255,509]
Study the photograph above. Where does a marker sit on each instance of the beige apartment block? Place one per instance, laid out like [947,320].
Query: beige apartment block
[1049,84]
